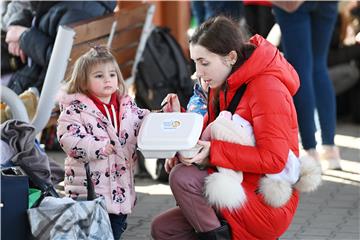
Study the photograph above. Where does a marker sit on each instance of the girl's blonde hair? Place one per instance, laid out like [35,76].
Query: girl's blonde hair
[78,81]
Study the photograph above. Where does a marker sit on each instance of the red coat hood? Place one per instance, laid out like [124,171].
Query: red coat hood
[265,60]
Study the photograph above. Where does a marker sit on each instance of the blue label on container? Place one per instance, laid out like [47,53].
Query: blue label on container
[171,124]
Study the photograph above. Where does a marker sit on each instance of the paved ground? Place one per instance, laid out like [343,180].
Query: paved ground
[332,212]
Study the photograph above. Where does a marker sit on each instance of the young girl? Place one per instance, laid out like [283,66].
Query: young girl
[99,124]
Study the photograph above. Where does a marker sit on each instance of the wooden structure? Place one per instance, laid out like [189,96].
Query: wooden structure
[123,31]
[175,15]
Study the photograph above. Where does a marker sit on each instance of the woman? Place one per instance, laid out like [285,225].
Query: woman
[32,32]
[306,35]
[226,61]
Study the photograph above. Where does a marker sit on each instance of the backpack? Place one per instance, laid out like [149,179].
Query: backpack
[162,69]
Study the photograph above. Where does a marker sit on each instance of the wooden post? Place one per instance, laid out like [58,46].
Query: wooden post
[172,14]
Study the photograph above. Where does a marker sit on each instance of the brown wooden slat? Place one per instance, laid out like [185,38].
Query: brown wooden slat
[124,55]
[81,48]
[125,38]
[125,42]
[126,71]
[86,31]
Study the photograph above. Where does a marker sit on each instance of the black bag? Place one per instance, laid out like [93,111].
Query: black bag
[61,219]
[26,77]
[14,197]
[163,69]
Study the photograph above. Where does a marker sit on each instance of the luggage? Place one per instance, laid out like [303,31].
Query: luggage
[30,167]
[65,218]
[14,200]
[17,197]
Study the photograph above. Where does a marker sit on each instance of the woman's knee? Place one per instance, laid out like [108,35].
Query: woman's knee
[176,173]
[186,177]
[156,225]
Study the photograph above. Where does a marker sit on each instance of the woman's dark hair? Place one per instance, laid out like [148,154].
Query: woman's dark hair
[221,35]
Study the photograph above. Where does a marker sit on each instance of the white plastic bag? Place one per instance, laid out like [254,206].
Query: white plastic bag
[64,218]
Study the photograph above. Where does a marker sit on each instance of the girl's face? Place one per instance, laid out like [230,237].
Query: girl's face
[103,81]
[211,68]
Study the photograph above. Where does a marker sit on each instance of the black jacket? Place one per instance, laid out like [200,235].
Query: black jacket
[38,41]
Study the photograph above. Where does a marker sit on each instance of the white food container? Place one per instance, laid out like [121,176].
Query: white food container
[163,134]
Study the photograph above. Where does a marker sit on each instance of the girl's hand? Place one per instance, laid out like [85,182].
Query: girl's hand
[109,149]
[173,103]
[170,163]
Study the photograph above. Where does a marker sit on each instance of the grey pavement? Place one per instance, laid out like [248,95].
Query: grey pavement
[332,212]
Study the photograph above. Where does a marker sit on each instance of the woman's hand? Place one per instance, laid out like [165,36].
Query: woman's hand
[202,158]
[172,103]
[170,163]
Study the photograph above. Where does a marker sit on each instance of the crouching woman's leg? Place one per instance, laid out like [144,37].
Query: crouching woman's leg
[194,216]
[172,225]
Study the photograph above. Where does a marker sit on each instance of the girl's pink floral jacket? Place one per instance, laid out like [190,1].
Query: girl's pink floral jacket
[83,131]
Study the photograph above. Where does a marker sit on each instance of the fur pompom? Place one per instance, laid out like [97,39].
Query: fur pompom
[276,192]
[223,189]
[310,175]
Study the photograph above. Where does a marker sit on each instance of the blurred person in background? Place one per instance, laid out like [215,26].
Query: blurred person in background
[344,61]
[306,28]
[31,35]
[10,11]
[203,10]
[258,16]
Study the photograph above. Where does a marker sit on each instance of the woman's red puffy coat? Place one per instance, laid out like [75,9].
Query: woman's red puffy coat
[268,105]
